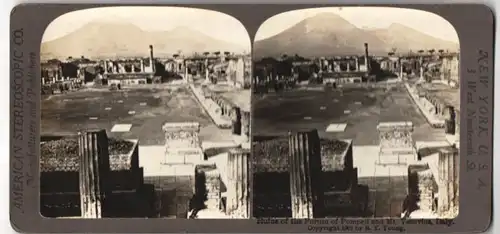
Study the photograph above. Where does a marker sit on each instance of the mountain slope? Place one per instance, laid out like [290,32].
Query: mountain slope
[106,39]
[328,34]
[404,39]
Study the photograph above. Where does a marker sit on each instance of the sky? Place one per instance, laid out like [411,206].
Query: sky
[365,17]
[211,23]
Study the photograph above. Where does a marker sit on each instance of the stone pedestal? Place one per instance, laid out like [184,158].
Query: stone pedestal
[182,144]
[396,143]
[93,173]
[238,188]
[305,174]
[448,179]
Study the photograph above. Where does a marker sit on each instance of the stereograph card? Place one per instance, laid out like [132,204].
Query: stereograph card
[251,118]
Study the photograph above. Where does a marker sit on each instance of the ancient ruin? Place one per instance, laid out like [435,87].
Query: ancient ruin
[396,143]
[305,175]
[182,143]
[311,177]
[238,195]
[94,172]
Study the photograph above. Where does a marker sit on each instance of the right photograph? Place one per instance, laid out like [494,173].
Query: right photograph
[355,113]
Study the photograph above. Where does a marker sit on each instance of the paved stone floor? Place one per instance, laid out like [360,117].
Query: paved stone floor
[276,114]
[67,113]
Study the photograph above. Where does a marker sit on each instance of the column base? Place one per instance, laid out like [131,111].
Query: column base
[397,158]
[184,156]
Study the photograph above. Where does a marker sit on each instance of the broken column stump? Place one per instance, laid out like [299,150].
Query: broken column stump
[238,173]
[213,186]
[93,173]
[448,179]
[305,174]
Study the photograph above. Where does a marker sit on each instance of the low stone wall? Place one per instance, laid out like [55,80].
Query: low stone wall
[425,107]
[212,109]
[271,155]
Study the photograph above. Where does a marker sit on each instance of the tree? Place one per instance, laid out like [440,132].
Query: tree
[431,51]
[206,53]
[390,53]
[175,56]
[217,53]
[441,51]
[227,53]
[420,51]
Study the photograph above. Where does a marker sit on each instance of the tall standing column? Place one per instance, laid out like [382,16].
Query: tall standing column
[105,66]
[305,174]
[357,63]
[186,78]
[400,69]
[93,173]
[448,179]
[238,199]
[207,79]
[421,63]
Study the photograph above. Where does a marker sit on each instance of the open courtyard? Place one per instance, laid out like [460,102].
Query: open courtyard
[131,113]
[351,112]
[359,108]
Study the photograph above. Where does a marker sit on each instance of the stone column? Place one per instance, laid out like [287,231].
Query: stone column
[305,174]
[238,172]
[142,65]
[421,63]
[94,171]
[182,143]
[357,63]
[348,66]
[448,179]
[132,68]
[400,69]
[185,71]
[207,79]
[105,66]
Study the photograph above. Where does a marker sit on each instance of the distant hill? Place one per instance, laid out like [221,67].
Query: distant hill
[328,34]
[107,39]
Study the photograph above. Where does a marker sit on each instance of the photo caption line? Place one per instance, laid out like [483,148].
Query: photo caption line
[356,225]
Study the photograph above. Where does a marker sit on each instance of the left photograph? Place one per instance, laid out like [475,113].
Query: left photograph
[145,113]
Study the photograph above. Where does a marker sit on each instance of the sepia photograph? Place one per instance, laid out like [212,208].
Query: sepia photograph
[145,113]
[355,113]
